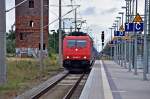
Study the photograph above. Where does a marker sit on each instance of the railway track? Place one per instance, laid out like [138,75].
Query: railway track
[70,92]
[65,88]
[50,87]
[62,86]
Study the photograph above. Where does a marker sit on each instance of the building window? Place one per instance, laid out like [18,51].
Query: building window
[22,36]
[31,23]
[44,46]
[31,3]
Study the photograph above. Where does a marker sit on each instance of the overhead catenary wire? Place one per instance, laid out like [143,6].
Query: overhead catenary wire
[49,23]
[62,16]
[16,6]
[52,12]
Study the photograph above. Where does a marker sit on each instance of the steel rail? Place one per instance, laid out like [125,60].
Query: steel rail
[48,88]
[71,91]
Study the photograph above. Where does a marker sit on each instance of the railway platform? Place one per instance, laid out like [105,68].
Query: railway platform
[108,80]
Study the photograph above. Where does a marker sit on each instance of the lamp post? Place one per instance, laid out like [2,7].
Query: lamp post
[120,44]
[125,51]
[119,21]
[115,47]
[111,41]
[118,48]
[128,45]
[122,13]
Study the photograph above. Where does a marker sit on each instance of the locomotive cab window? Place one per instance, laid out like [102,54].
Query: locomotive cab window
[81,43]
[71,43]
[76,43]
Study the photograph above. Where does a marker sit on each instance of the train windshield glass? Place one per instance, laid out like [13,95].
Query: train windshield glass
[76,43]
[81,43]
[71,43]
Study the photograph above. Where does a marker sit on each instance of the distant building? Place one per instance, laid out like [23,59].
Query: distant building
[28,27]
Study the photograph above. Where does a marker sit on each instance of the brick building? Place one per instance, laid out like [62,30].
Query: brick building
[28,27]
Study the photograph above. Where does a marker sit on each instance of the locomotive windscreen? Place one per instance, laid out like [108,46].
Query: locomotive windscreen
[81,43]
[71,43]
[76,43]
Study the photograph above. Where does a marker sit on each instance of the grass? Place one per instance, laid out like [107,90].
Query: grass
[22,73]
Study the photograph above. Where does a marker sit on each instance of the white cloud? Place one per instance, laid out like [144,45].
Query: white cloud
[89,11]
[10,16]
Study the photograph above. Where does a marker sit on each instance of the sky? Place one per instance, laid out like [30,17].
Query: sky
[99,15]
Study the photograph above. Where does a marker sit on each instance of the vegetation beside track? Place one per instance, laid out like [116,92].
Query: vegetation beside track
[24,73]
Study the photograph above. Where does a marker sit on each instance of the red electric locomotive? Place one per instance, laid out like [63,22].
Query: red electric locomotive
[77,51]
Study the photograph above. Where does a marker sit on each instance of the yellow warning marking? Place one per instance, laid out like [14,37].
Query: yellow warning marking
[121,28]
[128,38]
[138,18]
[115,38]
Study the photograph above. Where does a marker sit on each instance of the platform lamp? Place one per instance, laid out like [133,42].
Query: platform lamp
[128,45]
[122,13]
[115,47]
[121,44]
[111,42]
[118,45]
[119,20]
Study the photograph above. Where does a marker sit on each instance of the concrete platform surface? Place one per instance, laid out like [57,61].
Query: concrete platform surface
[124,84]
[97,86]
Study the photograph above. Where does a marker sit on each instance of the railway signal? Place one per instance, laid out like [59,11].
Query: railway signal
[102,38]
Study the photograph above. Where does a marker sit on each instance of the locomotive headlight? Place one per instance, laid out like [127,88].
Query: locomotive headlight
[84,57]
[67,57]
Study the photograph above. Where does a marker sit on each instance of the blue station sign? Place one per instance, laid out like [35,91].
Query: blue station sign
[119,33]
[134,27]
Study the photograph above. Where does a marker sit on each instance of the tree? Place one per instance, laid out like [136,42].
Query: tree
[53,42]
[10,42]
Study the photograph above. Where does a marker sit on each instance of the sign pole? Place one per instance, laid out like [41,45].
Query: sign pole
[129,44]
[135,46]
[135,54]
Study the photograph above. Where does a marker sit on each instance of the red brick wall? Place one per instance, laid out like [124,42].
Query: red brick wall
[32,34]
[32,38]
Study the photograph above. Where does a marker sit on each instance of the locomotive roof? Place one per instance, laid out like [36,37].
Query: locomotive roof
[79,37]
[77,34]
